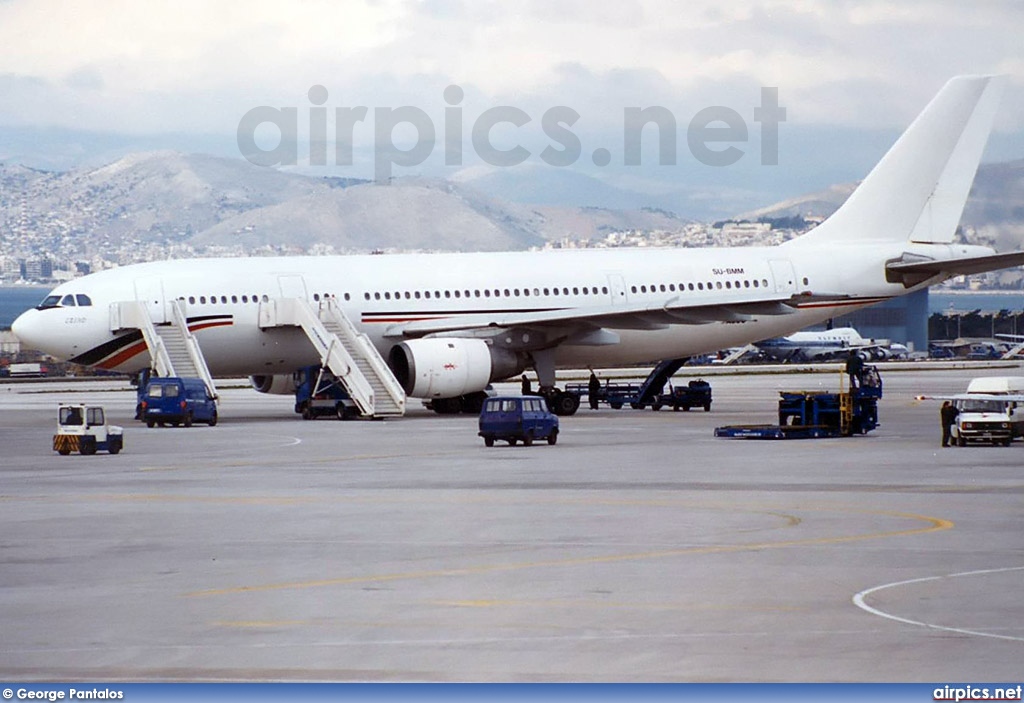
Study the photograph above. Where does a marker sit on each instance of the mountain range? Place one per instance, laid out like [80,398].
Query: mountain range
[169,199]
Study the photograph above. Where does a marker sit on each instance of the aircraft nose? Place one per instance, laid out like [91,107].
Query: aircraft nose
[28,330]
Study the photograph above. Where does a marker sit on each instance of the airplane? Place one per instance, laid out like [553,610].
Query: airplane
[821,345]
[449,324]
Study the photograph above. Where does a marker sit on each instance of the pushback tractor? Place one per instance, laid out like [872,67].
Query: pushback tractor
[84,429]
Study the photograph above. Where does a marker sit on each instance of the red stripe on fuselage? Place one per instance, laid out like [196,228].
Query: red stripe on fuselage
[122,356]
[207,325]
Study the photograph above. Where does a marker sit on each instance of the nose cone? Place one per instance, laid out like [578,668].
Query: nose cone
[28,328]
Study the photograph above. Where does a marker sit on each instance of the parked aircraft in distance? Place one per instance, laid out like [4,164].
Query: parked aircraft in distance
[823,345]
[449,324]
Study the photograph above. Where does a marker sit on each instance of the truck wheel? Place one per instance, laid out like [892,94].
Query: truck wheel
[88,446]
[553,437]
[512,441]
[656,406]
[213,419]
[114,446]
[686,408]
[707,407]
[63,451]
[565,404]
[961,442]
[488,441]
[615,406]
[150,423]
[528,439]
[307,412]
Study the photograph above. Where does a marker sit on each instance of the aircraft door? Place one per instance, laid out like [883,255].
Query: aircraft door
[292,287]
[783,275]
[150,292]
[617,289]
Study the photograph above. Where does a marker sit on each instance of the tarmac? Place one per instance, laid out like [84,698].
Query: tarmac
[639,548]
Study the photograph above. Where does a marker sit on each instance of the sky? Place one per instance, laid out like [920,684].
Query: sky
[80,82]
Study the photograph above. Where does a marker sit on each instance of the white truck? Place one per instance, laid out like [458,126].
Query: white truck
[84,429]
[989,412]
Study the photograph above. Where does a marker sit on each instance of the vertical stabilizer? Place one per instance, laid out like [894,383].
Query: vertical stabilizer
[918,190]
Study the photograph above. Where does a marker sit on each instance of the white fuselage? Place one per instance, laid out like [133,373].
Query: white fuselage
[378,293]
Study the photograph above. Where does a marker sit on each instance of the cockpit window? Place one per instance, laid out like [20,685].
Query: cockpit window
[83,300]
[68,300]
[50,301]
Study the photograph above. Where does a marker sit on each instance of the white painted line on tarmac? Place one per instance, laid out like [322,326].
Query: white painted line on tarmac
[859,601]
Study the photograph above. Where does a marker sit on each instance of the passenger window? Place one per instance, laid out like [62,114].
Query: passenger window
[68,301]
[83,300]
[202,299]
[94,416]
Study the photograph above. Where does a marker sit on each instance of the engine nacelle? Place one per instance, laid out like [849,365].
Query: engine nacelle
[447,367]
[274,385]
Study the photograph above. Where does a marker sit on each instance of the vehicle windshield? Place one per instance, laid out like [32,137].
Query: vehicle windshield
[71,416]
[982,406]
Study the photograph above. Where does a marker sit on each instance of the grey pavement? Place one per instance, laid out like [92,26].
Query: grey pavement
[639,548]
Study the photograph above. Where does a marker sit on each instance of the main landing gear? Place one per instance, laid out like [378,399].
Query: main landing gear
[561,402]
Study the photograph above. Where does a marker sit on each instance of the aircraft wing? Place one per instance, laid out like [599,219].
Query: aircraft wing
[673,311]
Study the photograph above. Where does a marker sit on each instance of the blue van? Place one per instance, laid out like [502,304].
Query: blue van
[515,418]
[177,401]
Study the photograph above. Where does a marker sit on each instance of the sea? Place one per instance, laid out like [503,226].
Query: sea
[14,300]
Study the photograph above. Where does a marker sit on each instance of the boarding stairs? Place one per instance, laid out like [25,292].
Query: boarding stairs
[655,382]
[344,350]
[173,349]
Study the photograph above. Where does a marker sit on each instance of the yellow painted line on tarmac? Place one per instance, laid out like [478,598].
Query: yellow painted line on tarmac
[934,525]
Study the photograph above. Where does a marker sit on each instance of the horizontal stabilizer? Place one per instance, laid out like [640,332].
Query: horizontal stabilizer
[957,267]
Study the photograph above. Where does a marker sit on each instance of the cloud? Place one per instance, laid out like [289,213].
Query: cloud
[190,66]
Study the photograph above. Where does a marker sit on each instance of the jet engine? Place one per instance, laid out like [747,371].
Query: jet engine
[447,367]
[274,385]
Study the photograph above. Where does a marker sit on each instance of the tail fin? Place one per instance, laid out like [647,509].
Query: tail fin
[918,190]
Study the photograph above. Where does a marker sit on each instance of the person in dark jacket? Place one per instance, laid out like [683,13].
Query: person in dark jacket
[593,390]
[948,414]
[854,367]
[527,390]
